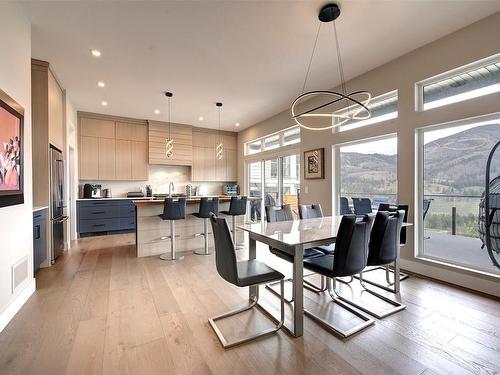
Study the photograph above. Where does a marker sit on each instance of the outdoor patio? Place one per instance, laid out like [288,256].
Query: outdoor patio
[460,249]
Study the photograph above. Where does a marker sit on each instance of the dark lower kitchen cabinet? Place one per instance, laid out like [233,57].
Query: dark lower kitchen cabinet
[39,238]
[105,216]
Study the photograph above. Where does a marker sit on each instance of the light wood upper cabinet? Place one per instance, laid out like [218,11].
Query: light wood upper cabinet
[139,161]
[56,112]
[131,132]
[123,161]
[183,143]
[232,165]
[107,159]
[89,153]
[206,166]
[112,150]
[101,128]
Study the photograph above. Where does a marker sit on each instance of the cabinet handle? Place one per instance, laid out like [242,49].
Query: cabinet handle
[99,225]
[37,232]
[99,212]
[37,216]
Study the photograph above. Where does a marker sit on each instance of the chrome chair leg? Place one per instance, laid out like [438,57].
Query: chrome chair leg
[367,321]
[307,284]
[313,287]
[398,305]
[269,286]
[254,336]
[172,255]
[204,251]
[390,283]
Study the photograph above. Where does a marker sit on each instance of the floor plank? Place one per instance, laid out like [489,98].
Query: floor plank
[101,310]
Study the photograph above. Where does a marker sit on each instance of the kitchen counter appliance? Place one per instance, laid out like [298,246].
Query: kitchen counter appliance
[92,191]
[231,189]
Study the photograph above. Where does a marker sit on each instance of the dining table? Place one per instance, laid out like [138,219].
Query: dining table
[293,237]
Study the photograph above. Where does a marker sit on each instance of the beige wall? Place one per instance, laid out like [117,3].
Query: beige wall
[16,222]
[467,45]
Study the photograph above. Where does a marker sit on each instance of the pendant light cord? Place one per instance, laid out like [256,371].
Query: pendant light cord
[219,124]
[169,125]
[311,59]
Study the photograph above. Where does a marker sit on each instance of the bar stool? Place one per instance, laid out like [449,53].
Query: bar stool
[237,207]
[206,209]
[172,211]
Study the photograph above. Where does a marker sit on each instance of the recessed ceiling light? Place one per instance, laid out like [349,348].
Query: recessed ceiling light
[101,84]
[104,103]
[157,111]
[237,124]
[200,118]
[95,53]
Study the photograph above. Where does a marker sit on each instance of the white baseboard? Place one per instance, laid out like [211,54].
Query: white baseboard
[16,305]
[453,277]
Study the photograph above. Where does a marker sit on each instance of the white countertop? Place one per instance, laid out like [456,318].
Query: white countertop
[38,208]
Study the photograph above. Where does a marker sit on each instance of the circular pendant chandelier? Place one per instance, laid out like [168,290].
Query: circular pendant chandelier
[169,142]
[355,103]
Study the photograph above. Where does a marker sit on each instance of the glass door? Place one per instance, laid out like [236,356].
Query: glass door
[255,190]
[276,181]
[290,183]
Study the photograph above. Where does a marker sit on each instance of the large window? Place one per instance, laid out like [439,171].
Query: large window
[382,108]
[453,177]
[368,169]
[285,137]
[471,81]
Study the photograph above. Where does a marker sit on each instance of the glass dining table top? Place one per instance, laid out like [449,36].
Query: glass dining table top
[296,232]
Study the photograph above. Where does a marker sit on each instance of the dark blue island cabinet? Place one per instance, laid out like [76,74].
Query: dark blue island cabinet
[105,216]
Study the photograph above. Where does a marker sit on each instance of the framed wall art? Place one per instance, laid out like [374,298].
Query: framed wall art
[314,164]
[11,151]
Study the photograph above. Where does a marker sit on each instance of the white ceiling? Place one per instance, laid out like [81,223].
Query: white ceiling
[251,55]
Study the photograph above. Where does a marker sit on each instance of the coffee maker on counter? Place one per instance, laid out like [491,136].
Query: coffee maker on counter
[92,191]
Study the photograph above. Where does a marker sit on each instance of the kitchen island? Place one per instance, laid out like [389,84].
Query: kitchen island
[151,230]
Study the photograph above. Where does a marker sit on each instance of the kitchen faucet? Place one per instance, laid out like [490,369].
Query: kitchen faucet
[171,189]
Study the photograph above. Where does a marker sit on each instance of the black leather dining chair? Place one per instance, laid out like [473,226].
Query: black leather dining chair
[403,276]
[242,274]
[344,206]
[285,213]
[172,211]
[362,206]
[207,207]
[383,249]
[350,258]
[310,211]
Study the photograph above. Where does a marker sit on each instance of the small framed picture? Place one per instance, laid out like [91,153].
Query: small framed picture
[314,164]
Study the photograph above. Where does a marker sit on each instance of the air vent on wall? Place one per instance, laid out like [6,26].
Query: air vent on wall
[19,273]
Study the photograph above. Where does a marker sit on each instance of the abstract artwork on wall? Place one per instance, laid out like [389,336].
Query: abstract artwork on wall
[314,164]
[11,151]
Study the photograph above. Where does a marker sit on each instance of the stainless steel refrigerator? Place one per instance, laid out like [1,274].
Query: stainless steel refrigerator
[58,216]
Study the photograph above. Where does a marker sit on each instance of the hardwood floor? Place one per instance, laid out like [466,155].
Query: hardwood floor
[100,310]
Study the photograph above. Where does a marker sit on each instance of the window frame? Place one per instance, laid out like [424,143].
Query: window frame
[263,139]
[419,86]
[385,96]
[418,240]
